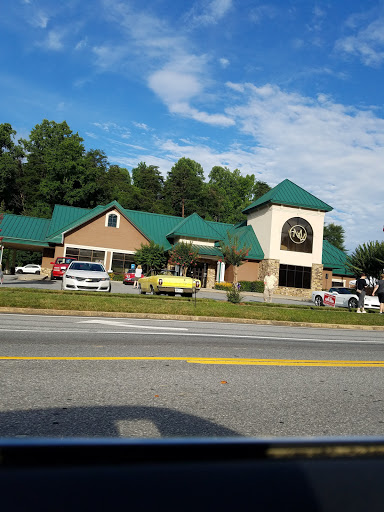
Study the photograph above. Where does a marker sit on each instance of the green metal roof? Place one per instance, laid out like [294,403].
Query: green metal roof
[195,227]
[63,216]
[24,230]
[290,194]
[153,226]
[207,250]
[335,259]
[247,238]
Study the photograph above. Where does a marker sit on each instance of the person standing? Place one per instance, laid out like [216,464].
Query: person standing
[361,285]
[138,274]
[379,287]
[270,283]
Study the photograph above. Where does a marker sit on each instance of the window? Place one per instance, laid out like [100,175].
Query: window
[297,235]
[112,220]
[121,262]
[85,254]
[294,276]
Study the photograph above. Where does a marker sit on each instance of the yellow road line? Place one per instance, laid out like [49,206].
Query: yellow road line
[210,360]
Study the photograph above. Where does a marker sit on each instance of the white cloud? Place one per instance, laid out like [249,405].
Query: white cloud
[53,41]
[39,19]
[142,126]
[208,13]
[259,13]
[224,62]
[81,44]
[367,43]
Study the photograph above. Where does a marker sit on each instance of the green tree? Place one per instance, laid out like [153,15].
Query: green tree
[228,192]
[148,188]
[233,253]
[118,186]
[335,235]
[368,258]
[151,257]
[185,255]
[11,157]
[56,169]
[183,187]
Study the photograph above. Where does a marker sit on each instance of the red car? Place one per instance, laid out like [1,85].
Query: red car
[60,266]
[129,277]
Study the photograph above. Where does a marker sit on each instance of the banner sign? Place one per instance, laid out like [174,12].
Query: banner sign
[329,299]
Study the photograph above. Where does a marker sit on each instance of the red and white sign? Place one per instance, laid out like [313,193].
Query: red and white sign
[329,299]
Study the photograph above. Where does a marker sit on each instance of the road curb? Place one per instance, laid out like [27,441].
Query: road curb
[154,316]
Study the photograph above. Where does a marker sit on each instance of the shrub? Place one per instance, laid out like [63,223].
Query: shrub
[223,286]
[252,286]
[233,294]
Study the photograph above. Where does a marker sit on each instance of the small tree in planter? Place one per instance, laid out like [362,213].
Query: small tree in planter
[151,257]
[233,254]
[184,255]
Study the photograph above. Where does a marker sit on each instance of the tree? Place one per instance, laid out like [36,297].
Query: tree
[335,235]
[184,255]
[229,192]
[151,257]
[148,188]
[56,169]
[118,186]
[11,157]
[368,258]
[183,187]
[234,254]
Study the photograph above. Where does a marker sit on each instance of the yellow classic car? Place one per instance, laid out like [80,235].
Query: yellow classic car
[169,283]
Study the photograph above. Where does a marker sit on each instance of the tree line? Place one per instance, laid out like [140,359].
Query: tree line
[53,167]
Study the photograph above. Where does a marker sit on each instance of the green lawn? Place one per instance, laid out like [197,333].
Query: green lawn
[163,305]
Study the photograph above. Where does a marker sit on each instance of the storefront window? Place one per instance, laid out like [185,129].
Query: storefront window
[85,254]
[121,262]
[297,235]
[294,276]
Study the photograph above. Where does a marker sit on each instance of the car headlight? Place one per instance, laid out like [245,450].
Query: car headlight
[69,276]
[104,279]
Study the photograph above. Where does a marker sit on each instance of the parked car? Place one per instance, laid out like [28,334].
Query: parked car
[60,265]
[85,275]
[31,268]
[345,298]
[168,283]
[129,277]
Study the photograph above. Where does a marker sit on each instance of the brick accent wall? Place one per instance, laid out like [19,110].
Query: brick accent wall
[211,276]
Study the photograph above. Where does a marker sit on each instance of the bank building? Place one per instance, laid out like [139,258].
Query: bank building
[283,229]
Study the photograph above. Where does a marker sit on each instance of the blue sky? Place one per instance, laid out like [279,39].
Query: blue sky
[280,89]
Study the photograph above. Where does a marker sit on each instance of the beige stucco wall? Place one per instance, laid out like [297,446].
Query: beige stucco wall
[96,234]
[249,271]
[268,223]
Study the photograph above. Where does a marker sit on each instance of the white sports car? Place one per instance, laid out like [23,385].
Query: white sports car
[345,298]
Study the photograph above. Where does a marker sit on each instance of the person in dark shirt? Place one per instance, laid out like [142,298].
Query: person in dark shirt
[361,285]
[380,292]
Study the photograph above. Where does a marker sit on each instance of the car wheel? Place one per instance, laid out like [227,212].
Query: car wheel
[141,291]
[352,303]
[318,301]
[171,294]
[37,273]
[19,271]
[110,289]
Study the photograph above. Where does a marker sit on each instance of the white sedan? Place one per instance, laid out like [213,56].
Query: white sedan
[345,298]
[86,276]
[28,269]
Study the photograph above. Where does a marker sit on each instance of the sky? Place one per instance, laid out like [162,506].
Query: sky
[279,89]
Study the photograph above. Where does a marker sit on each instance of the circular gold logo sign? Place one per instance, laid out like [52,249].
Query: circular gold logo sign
[298,234]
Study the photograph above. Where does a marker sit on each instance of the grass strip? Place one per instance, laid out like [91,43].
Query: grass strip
[123,303]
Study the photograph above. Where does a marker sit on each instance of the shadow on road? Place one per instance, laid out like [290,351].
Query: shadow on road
[104,422]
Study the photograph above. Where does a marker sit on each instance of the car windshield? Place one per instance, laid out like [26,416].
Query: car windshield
[343,291]
[89,267]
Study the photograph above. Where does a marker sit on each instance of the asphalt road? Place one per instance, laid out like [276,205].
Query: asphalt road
[119,287]
[82,376]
